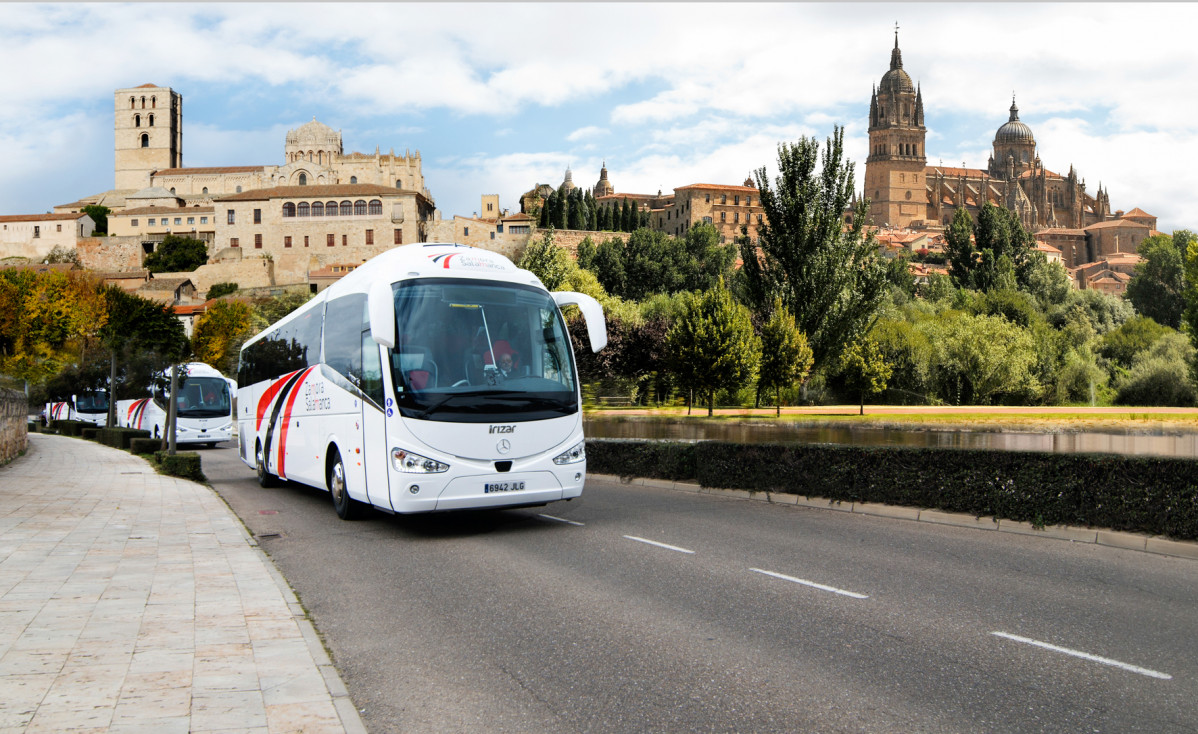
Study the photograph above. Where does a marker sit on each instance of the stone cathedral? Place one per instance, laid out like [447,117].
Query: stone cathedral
[904,191]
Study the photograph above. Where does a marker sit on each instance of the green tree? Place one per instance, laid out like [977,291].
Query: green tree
[143,338]
[1133,336]
[219,334]
[1157,289]
[939,287]
[864,368]
[898,275]
[99,215]
[828,275]
[608,265]
[46,320]
[1047,282]
[958,247]
[220,289]
[586,252]
[979,357]
[546,260]
[706,260]
[1191,280]
[176,254]
[712,345]
[1160,375]
[785,355]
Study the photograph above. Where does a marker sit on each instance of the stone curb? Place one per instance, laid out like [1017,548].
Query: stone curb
[1097,536]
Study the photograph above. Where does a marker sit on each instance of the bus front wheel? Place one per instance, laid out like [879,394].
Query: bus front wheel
[347,507]
[265,478]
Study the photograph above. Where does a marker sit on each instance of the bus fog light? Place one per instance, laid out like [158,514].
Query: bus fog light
[578,476]
[414,489]
[410,463]
[574,455]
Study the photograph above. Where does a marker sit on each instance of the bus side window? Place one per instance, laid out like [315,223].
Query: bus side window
[343,341]
[372,369]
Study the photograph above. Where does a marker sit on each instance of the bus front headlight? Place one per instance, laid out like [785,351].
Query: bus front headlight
[576,454]
[409,463]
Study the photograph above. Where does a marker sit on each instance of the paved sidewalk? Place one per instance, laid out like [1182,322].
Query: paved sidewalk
[135,602]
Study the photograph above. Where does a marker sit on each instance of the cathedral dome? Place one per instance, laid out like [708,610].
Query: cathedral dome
[1014,131]
[313,133]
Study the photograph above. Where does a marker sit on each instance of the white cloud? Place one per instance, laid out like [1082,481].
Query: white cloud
[584,133]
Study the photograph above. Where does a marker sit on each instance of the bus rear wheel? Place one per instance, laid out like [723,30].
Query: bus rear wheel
[265,478]
[347,507]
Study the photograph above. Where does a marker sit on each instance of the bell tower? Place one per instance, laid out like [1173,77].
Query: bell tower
[149,133]
[894,170]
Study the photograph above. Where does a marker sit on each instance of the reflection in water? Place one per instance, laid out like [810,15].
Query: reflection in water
[1184,445]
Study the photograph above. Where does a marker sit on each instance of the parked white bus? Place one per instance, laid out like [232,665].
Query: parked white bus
[205,408]
[432,377]
[90,406]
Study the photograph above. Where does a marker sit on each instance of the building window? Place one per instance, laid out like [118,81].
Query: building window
[303,179]
[399,236]
[723,198]
[748,201]
[37,231]
[257,242]
[359,208]
[465,231]
[370,236]
[736,217]
[151,222]
[287,241]
[191,220]
[353,179]
[305,240]
[347,209]
[736,200]
[331,241]
[288,210]
[178,221]
[132,222]
[151,121]
[490,206]
[398,184]
[257,216]
[205,191]
[330,209]
[499,228]
[344,240]
[203,220]
[137,121]
[239,189]
[706,198]
[707,220]
[318,209]
[233,242]
[232,217]
[723,216]
[519,229]
[492,235]
[376,207]
[301,209]
[132,103]
[759,219]
[145,140]
[172,189]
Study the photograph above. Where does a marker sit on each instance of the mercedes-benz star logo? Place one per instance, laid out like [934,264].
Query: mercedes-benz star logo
[503,446]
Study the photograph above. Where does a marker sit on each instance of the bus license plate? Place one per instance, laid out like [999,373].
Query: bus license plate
[502,487]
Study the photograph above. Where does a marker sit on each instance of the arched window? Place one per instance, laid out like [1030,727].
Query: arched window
[303,179]
[143,103]
[310,158]
[330,208]
[353,179]
[288,210]
[172,189]
[205,190]
[347,208]
[132,102]
[302,209]
[137,121]
[317,209]
[151,121]
[145,140]
[359,208]
[153,101]
[398,184]
[376,207]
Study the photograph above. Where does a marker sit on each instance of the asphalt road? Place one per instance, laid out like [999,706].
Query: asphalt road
[642,610]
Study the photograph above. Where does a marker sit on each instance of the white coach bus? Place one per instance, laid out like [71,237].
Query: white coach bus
[90,406]
[205,408]
[433,377]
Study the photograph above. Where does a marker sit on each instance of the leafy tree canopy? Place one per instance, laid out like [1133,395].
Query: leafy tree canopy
[99,215]
[1157,287]
[712,345]
[176,255]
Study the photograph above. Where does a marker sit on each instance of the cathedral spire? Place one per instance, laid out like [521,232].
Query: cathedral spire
[896,56]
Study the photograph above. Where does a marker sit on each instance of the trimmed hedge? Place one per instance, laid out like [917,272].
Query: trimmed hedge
[119,438]
[32,427]
[185,465]
[69,428]
[90,433]
[141,445]
[1146,494]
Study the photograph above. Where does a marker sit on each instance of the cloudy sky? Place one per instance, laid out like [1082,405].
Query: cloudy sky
[500,96]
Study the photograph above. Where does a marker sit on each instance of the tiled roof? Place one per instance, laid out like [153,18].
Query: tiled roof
[313,192]
[1116,223]
[1045,247]
[1138,212]
[148,86]
[717,187]
[950,172]
[164,284]
[217,169]
[521,216]
[164,210]
[1061,231]
[40,217]
[124,275]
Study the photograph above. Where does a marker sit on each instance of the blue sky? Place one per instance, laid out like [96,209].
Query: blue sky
[498,97]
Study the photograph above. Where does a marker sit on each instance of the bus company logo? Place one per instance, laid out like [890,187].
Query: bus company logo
[464,261]
[503,429]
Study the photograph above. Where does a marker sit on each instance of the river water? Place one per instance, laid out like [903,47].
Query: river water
[1146,444]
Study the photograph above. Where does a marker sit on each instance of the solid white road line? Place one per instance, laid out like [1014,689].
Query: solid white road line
[659,545]
[559,519]
[812,584]
[1086,656]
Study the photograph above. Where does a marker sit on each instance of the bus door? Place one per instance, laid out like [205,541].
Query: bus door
[374,423]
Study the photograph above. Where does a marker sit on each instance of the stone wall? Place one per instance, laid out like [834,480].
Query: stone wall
[252,272]
[14,417]
[570,238]
[111,254]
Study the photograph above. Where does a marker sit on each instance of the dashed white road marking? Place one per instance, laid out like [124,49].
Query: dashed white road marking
[812,584]
[1085,656]
[559,519]
[659,545]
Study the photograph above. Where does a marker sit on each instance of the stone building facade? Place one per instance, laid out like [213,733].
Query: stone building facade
[33,236]
[904,191]
[148,132]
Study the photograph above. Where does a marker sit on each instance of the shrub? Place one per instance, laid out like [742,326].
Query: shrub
[185,465]
[32,427]
[139,445]
[119,438]
[90,433]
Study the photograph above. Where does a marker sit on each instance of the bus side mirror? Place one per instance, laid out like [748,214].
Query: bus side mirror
[381,307]
[592,313]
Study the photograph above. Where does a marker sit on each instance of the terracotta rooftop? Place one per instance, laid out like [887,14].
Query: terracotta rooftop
[519,216]
[124,275]
[1061,231]
[1045,247]
[148,86]
[1116,223]
[717,187]
[1138,212]
[216,169]
[950,172]
[313,192]
[40,217]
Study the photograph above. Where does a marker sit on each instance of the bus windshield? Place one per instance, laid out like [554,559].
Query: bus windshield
[200,397]
[471,352]
[92,402]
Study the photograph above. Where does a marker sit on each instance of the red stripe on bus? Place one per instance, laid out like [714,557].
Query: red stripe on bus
[140,407]
[264,401]
[287,422]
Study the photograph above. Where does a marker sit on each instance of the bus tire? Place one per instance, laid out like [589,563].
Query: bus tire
[265,478]
[347,507]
